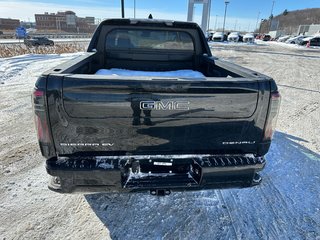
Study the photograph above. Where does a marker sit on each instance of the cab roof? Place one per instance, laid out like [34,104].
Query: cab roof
[149,22]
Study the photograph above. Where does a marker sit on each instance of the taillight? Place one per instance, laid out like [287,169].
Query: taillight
[42,129]
[40,116]
[272,115]
[38,93]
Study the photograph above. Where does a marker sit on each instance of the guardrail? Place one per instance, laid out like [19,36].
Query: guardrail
[49,35]
[60,40]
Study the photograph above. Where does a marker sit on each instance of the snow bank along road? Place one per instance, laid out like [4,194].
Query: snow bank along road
[17,41]
[285,206]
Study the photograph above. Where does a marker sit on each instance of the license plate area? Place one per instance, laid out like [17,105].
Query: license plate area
[161,173]
[165,166]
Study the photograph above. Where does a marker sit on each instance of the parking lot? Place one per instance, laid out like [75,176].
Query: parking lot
[284,206]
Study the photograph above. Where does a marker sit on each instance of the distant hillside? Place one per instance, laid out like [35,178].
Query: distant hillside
[289,21]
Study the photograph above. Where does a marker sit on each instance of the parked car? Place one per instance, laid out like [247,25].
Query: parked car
[218,37]
[209,36]
[297,39]
[38,41]
[186,120]
[283,38]
[266,37]
[314,41]
[233,37]
[248,38]
[259,36]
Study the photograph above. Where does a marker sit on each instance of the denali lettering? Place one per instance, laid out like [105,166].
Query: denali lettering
[169,105]
[242,142]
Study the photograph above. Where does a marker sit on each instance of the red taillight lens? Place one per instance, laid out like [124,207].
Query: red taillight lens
[37,93]
[42,129]
[40,116]
[272,115]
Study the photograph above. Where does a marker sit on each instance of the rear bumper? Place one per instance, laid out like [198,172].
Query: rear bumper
[136,173]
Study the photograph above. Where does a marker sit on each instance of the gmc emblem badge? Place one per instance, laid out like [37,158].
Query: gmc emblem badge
[168,105]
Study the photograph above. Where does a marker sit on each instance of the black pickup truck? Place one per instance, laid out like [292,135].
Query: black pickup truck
[149,108]
[38,41]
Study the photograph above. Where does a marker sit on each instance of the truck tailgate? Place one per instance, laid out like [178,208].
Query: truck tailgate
[159,116]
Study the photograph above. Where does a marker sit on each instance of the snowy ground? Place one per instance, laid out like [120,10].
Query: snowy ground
[285,206]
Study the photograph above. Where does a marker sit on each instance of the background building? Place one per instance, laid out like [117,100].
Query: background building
[9,24]
[289,22]
[313,29]
[64,22]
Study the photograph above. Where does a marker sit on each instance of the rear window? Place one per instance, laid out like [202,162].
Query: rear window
[149,39]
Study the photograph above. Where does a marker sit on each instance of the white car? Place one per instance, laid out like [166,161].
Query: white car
[306,39]
[248,37]
[217,37]
[313,41]
[284,38]
[297,39]
[233,37]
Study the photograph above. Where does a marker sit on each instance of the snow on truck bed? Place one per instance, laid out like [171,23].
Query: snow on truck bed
[176,74]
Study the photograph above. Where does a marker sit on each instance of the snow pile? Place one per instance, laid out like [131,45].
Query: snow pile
[175,74]
[26,68]
[225,43]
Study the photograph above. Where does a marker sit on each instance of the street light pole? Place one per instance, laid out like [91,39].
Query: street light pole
[271,16]
[122,8]
[260,25]
[209,14]
[225,13]
[215,24]
[134,7]
[257,21]
[272,8]
[194,9]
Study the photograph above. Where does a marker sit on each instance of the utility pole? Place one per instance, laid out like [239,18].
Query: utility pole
[134,7]
[122,8]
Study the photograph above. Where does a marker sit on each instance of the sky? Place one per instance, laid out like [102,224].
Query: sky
[243,15]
